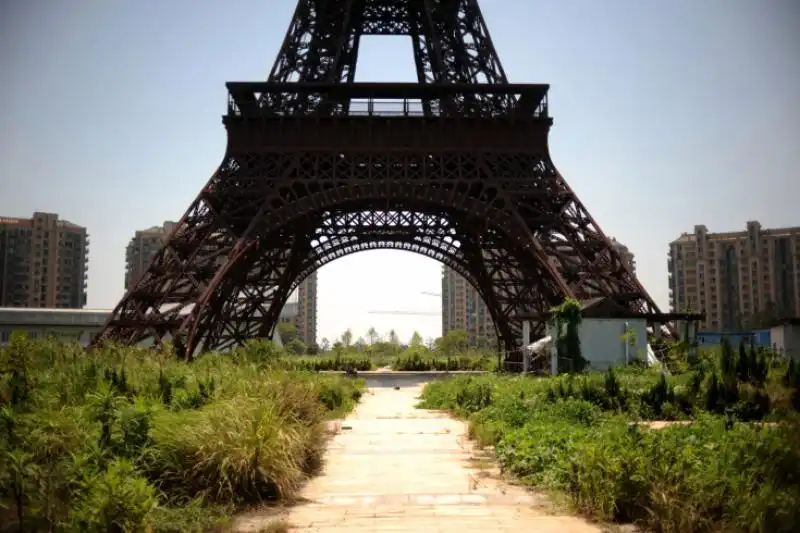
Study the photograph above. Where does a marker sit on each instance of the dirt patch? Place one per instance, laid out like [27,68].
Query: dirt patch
[266,519]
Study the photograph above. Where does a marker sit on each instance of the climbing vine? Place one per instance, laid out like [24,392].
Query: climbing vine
[568,344]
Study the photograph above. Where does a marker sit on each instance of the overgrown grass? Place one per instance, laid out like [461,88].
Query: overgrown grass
[574,434]
[421,359]
[414,358]
[333,362]
[129,440]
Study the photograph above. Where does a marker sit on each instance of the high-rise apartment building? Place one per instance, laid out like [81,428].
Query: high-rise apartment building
[43,262]
[145,243]
[463,308]
[734,276]
[141,249]
[306,318]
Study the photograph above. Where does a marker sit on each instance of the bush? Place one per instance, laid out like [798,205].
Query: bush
[577,435]
[338,362]
[448,353]
[118,500]
[126,439]
[421,359]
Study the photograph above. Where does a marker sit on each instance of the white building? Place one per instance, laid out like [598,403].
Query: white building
[785,339]
[609,336]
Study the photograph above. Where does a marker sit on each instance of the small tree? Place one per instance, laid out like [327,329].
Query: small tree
[713,393]
[758,366]
[430,343]
[568,343]
[742,363]
[792,377]
[287,332]
[727,363]
[372,335]
[454,342]
[297,347]
[416,340]
[347,338]
[629,337]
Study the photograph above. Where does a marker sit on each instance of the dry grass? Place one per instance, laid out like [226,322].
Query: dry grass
[278,526]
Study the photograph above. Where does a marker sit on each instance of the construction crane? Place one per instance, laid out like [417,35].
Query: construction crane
[418,313]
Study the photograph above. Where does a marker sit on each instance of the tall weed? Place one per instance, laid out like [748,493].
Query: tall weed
[125,439]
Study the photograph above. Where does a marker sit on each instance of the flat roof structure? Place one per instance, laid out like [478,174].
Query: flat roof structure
[35,316]
[47,317]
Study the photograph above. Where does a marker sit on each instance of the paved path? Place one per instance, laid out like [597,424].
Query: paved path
[395,468]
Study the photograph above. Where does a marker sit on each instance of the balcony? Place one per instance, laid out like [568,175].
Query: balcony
[265,99]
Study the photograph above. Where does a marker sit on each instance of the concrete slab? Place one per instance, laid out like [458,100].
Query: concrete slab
[401,469]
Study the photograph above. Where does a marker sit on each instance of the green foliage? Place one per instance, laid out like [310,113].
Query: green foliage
[568,319]
[347,338]
[419,358]
[792,376]
[296,347]
[132,440]
[451,352]
[416,340]
[287,332]
[118,500]
[456,341]
[576,435]
[339,360]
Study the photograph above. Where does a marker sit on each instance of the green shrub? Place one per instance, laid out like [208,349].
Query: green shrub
[239,450]
[576,435]
[338,362]
[119,500]
[126,439]
[420,359]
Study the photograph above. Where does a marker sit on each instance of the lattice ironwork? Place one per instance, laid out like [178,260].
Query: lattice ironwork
[455,167]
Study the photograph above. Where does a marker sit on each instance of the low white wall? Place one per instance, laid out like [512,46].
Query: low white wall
[786,340]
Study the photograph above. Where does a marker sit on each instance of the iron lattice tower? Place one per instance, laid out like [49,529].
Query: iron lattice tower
[455,166]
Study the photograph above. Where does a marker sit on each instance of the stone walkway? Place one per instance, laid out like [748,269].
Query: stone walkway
[392,467]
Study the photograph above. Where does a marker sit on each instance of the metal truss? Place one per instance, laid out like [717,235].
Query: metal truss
[318,167]
[450,40]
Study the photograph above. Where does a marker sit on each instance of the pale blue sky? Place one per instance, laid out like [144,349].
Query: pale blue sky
[667,114]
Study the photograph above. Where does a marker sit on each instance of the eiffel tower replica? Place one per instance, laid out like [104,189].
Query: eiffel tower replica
[455,166]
